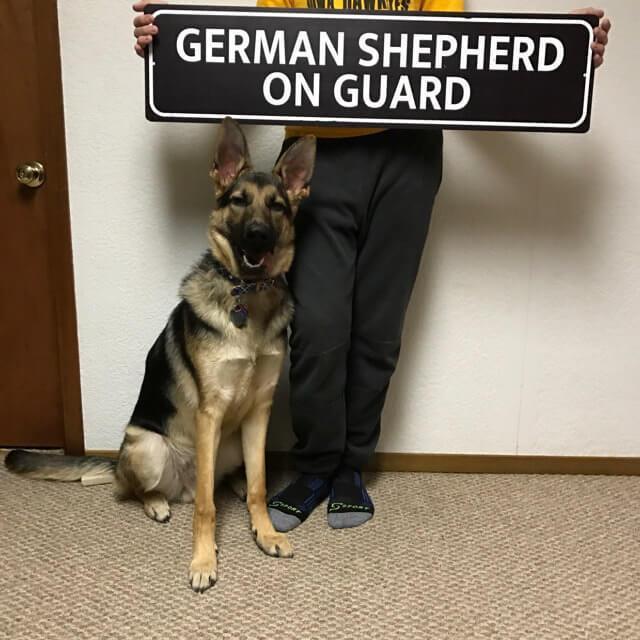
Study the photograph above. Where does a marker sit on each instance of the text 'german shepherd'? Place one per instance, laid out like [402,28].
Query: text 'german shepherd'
[210,376]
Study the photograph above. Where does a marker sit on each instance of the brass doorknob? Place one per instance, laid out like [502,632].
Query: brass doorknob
[31,174]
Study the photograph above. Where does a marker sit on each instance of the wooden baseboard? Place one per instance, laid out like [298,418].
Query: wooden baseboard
[470,463]
[102,453]
[520,464]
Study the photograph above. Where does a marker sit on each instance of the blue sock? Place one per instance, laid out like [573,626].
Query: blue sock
[349,503]
[293,505]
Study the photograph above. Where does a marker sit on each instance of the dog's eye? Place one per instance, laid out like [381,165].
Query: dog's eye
[278,207]
[238,201]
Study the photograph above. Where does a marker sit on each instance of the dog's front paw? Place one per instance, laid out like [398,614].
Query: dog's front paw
[203,574]
[274,544]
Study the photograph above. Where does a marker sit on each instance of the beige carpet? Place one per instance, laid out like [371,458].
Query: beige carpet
[446,557]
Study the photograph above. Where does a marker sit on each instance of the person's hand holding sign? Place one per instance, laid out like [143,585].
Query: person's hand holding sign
[601,33]
[143,27]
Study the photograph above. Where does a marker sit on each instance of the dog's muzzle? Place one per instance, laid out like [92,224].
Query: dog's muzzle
[258,240]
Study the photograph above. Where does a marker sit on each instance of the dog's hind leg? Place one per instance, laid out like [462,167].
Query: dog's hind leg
[145,468]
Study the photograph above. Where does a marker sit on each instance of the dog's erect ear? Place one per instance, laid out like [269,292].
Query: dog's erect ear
[231,155]
[295,169]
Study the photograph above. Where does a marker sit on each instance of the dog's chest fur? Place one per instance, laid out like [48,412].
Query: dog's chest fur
[233,365]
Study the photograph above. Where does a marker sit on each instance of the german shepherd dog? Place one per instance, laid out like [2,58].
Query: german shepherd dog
[210,377]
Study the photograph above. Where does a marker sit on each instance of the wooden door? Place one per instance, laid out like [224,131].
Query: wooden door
[39,376]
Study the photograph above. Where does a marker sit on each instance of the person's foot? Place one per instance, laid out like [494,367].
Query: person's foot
[293,505]
[349,503]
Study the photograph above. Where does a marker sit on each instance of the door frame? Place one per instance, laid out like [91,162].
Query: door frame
[46,28]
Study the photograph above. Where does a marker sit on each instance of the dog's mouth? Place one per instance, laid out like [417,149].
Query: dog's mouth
[252,262]
[255,261]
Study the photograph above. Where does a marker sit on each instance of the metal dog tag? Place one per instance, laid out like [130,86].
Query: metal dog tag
[239,316]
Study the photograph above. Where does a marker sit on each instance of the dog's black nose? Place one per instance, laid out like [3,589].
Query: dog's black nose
[259,237]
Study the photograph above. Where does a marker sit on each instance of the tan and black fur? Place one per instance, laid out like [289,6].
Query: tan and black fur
[206,396]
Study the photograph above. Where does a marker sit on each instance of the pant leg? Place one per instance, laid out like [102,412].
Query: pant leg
[392,242]
[321,280]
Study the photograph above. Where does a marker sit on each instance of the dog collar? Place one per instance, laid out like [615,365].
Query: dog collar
[240,313]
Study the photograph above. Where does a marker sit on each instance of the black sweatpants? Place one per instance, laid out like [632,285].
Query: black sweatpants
[359,241]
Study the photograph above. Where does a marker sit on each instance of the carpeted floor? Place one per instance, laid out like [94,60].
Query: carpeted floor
[446,557]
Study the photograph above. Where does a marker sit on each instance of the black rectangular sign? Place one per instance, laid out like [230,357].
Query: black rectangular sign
[455,71]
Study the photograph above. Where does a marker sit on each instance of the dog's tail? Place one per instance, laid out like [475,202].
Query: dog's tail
[50,466]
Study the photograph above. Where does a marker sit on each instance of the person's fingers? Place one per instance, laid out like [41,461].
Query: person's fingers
[594,11]
[143,19]
[139,50]
[606,25]
[141,4]
[601,36]
[149,30]
[590,11]
[598,60]
[597,48]
[143,41]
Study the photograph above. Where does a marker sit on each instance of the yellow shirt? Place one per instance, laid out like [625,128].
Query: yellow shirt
[398,5]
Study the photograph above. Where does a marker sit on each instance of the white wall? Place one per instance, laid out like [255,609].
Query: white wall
[523,334]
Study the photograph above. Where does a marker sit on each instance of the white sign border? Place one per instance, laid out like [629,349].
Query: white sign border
[379,121]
